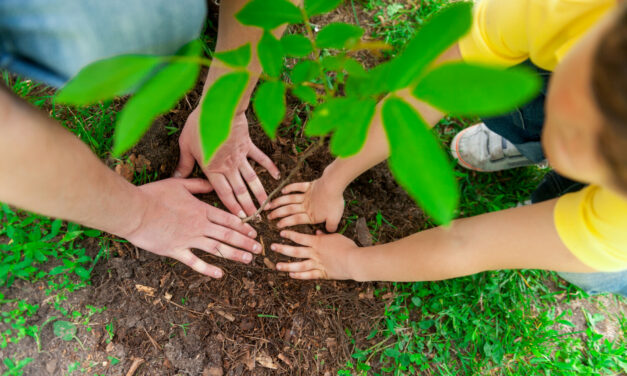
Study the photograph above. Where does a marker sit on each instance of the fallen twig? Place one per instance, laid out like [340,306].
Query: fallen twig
[136,363]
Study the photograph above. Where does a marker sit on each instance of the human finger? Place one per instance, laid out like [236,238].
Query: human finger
[296,187]
[191,260]
[284,211]
[196,186]
[225,193]
[186,162]
[293,220]
[291,251]
[311,274]
[260,157]
[229,220]
[299,238]
[251,178]
[287,199]
[229,236]
[301,266]
[241,192]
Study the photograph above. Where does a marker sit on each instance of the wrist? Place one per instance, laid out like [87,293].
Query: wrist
[332,180]
[354,268]
[138,203]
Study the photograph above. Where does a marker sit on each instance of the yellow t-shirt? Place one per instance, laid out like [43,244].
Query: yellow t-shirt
[592,223]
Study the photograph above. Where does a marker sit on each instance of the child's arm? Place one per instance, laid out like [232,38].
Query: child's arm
[312,203]
[519,238]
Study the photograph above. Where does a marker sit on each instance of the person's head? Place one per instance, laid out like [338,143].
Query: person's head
[585,133]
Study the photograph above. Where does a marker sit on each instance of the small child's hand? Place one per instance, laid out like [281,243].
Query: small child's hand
[327,256]
[313,204]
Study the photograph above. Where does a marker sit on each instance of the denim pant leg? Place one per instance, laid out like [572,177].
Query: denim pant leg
[598,283]
[51,40]
[523,126]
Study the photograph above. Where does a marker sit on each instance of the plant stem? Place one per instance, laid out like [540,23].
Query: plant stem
[299,165]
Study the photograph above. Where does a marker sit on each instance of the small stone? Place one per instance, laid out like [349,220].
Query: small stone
[213,371]
[51,366]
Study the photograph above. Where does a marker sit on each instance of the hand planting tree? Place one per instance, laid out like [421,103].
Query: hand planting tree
[343,94]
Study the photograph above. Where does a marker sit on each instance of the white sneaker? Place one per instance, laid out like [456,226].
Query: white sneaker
[478,148]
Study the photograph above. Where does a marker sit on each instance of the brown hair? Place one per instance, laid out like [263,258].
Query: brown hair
[609,85]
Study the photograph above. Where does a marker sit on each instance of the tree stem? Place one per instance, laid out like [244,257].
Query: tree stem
[299,165]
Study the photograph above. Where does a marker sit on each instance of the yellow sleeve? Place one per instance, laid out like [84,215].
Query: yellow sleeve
[512,31]
[592,223]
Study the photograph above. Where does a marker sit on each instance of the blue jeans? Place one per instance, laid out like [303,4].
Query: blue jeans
[523,128]
[51,40]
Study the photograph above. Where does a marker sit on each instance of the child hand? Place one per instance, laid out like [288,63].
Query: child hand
[314,204]
[327,256]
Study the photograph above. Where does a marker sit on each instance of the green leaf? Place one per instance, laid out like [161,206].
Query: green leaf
[269,14]
[269,105]
[315,7]
[106,79]
[296,45]
[64,329]
[476,90]
[430,41]
[348,117]
[237,58]
[218,109]
[305,71]
[155,97]
[333,62]
[305,94]
[339,35]
[350,134]
[82,272]
[418,162]
[270,54]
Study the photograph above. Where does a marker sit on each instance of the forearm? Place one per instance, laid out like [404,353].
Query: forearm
[376,148]
[46,169]
[519,238]
[231,35]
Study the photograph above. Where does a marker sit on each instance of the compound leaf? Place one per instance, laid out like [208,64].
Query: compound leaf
[315,7]
[418,162]
[350,134]
[106,79]
[270,54]
[269,14]
[476,90]
[218,109]
[237,58]
[156,97]
[296,45]
[305,94]
[64,330]
[339,35]
[269,105]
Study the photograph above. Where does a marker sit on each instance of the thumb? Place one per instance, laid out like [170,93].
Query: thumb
[185,165]
[196,186]
[332,223]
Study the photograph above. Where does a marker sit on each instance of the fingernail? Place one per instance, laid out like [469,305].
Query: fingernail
[273,247]
[247,256]
[277,176]
[279,267]
[252,234]
[241,214]
[217,274]
[283,233]
[177,174]
[256,248]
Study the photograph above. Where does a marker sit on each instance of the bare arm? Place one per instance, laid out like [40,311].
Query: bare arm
[46,169]
[519,238]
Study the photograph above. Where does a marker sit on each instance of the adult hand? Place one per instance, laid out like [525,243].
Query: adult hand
[229,170]
[327,256]
[174,221]
[313,203]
